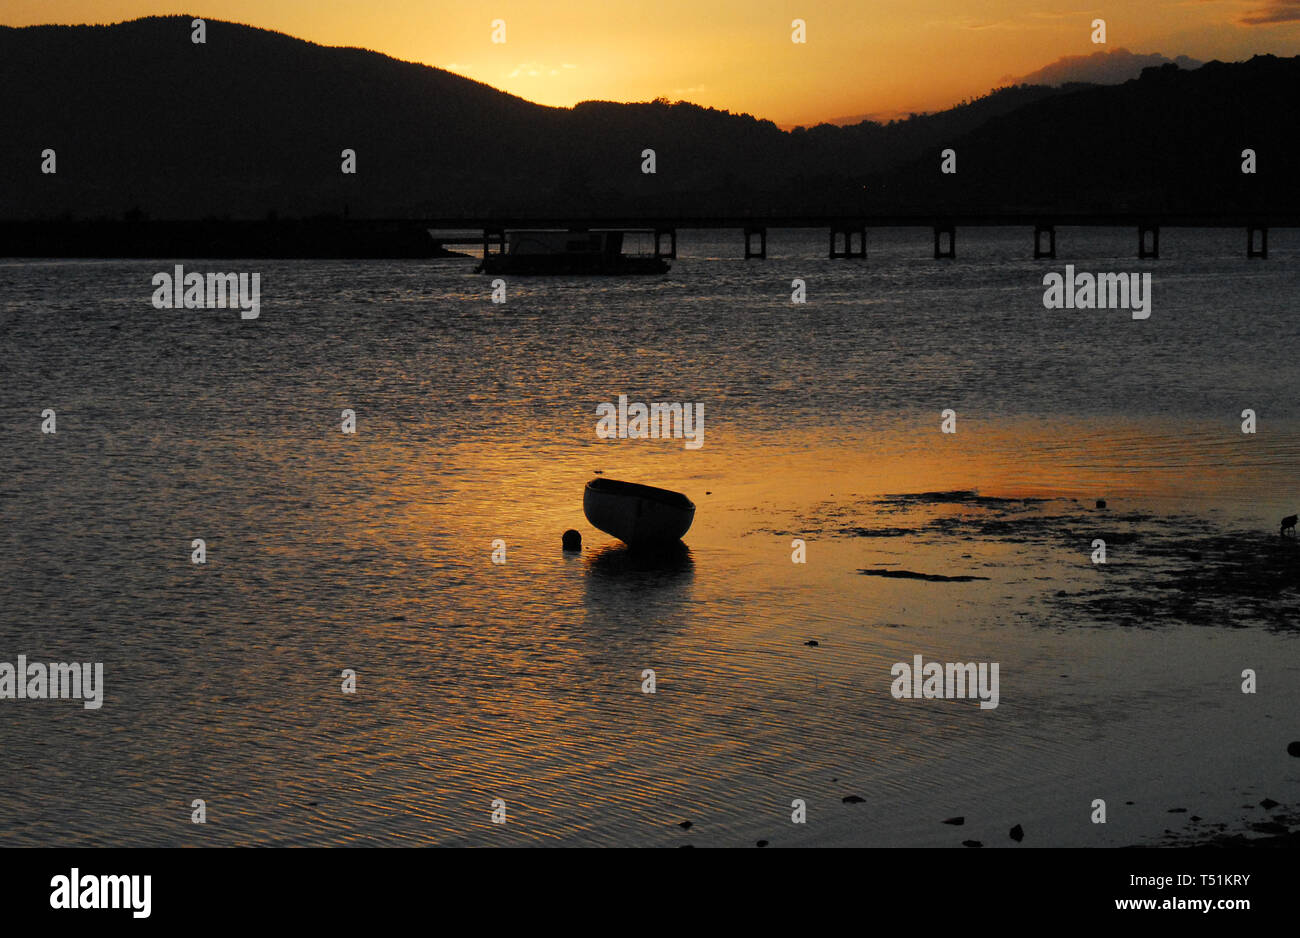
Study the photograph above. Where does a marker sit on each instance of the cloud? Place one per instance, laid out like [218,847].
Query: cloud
[536,70]
[1061,14]
[1272,13]
[1026,21]
[1110,67]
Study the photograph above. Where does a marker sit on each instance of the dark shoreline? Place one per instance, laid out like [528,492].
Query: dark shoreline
[1281,829]
[333,238]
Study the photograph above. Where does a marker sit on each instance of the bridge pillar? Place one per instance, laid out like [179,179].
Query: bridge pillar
[1262,250]
[1154,249]
[848,231]
[672,242]
[939,250]
[761,252]
[1039,250]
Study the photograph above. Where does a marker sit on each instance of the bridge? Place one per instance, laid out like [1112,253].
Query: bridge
[848,232]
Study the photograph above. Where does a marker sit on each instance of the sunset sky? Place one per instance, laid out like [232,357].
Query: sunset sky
[879,57]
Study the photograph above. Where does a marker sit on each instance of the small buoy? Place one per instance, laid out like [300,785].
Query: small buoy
[1101,503]
[1293,748]
[1017,833]
[572,540]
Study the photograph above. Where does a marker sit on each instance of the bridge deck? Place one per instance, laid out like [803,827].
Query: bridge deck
[926,219]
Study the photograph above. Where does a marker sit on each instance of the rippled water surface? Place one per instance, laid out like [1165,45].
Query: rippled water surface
[523,681]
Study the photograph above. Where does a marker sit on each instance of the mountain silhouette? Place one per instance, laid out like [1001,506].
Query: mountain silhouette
[252,124]
[1169,142]
[1108,67]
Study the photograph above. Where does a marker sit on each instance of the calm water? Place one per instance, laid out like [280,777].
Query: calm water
[522,681]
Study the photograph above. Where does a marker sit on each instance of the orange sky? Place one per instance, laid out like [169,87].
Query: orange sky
[861,57]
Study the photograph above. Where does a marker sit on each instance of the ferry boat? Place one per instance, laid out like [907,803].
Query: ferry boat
[573,252]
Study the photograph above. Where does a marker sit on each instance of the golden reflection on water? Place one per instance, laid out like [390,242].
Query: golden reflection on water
[524,680]
[533,667]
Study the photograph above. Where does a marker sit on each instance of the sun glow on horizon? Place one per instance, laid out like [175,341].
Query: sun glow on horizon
[738,54]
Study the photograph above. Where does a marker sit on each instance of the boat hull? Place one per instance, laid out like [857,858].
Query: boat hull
[638,515]
[562,265]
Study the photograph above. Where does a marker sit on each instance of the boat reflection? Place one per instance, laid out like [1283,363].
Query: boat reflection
[639,591]
[650,566]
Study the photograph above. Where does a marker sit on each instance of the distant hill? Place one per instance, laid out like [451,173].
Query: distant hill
[252,124]
[1168,141]
[958,118]
[1109,67]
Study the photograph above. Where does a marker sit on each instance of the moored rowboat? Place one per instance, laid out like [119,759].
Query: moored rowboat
[638,515]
